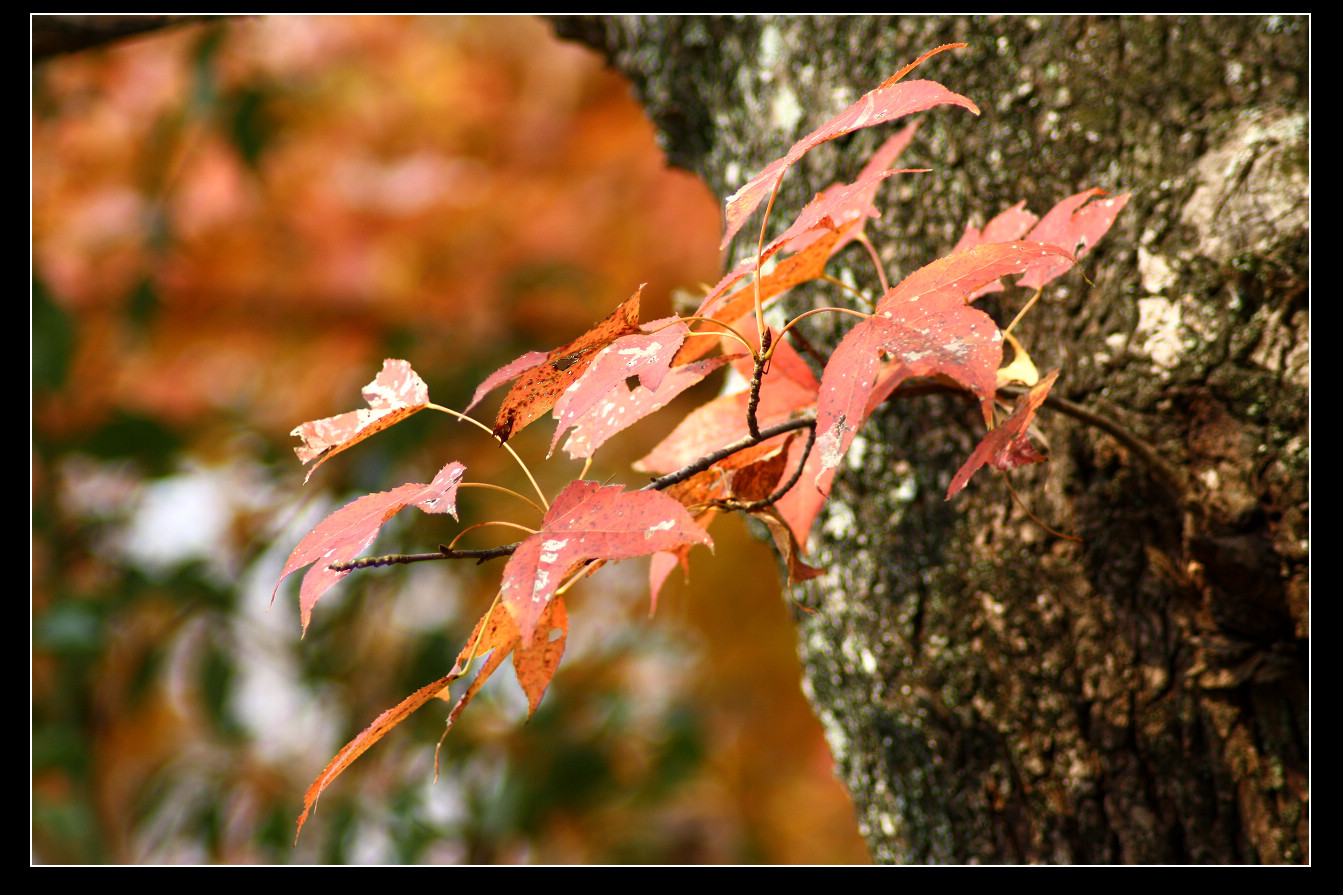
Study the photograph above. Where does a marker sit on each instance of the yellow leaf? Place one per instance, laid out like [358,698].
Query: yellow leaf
[1022,369]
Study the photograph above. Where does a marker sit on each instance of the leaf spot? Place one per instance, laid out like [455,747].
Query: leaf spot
[539,589]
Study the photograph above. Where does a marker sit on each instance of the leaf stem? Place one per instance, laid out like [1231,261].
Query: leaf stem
[866,243]
[453,543]
[509,447]
[847,288]
[1022,312]
[789,325]
[522,497]
[760,260]
[730,331]
[1027,510]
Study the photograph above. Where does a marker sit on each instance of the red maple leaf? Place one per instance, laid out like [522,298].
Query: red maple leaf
[926,327]
[885,104]
[541,384]
[1006,226]
[622,407]
[395,393]
[534,662]
[495,636]
[506,373]
[1073,226]
[1007,445]
[1070,225]
[344,534]
[588,521]
[647,355]
[861,206]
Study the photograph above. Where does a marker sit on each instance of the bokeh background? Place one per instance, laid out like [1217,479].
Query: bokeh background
[233,225]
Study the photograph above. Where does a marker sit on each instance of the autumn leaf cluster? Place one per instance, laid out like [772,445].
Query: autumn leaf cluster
[770,448]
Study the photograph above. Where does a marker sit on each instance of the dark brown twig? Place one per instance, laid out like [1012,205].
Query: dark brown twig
[666,481]
[740,444]
[753,505]
[753,400]
[398,559]
[1174,480]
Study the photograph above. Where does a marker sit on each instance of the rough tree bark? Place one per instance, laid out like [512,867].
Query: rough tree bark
[993,692]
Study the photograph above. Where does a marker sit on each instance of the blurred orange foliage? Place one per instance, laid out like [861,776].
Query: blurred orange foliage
[467,180]
[239,223]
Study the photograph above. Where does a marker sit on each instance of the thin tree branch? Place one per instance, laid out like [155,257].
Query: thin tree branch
[443,552]
[666,481]
[753,400]
[753,505]
[740,444]
[1173,479]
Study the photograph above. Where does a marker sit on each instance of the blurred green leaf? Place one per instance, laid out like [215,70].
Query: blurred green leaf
[53,340]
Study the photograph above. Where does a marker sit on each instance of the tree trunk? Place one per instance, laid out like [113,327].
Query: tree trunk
[993,692]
